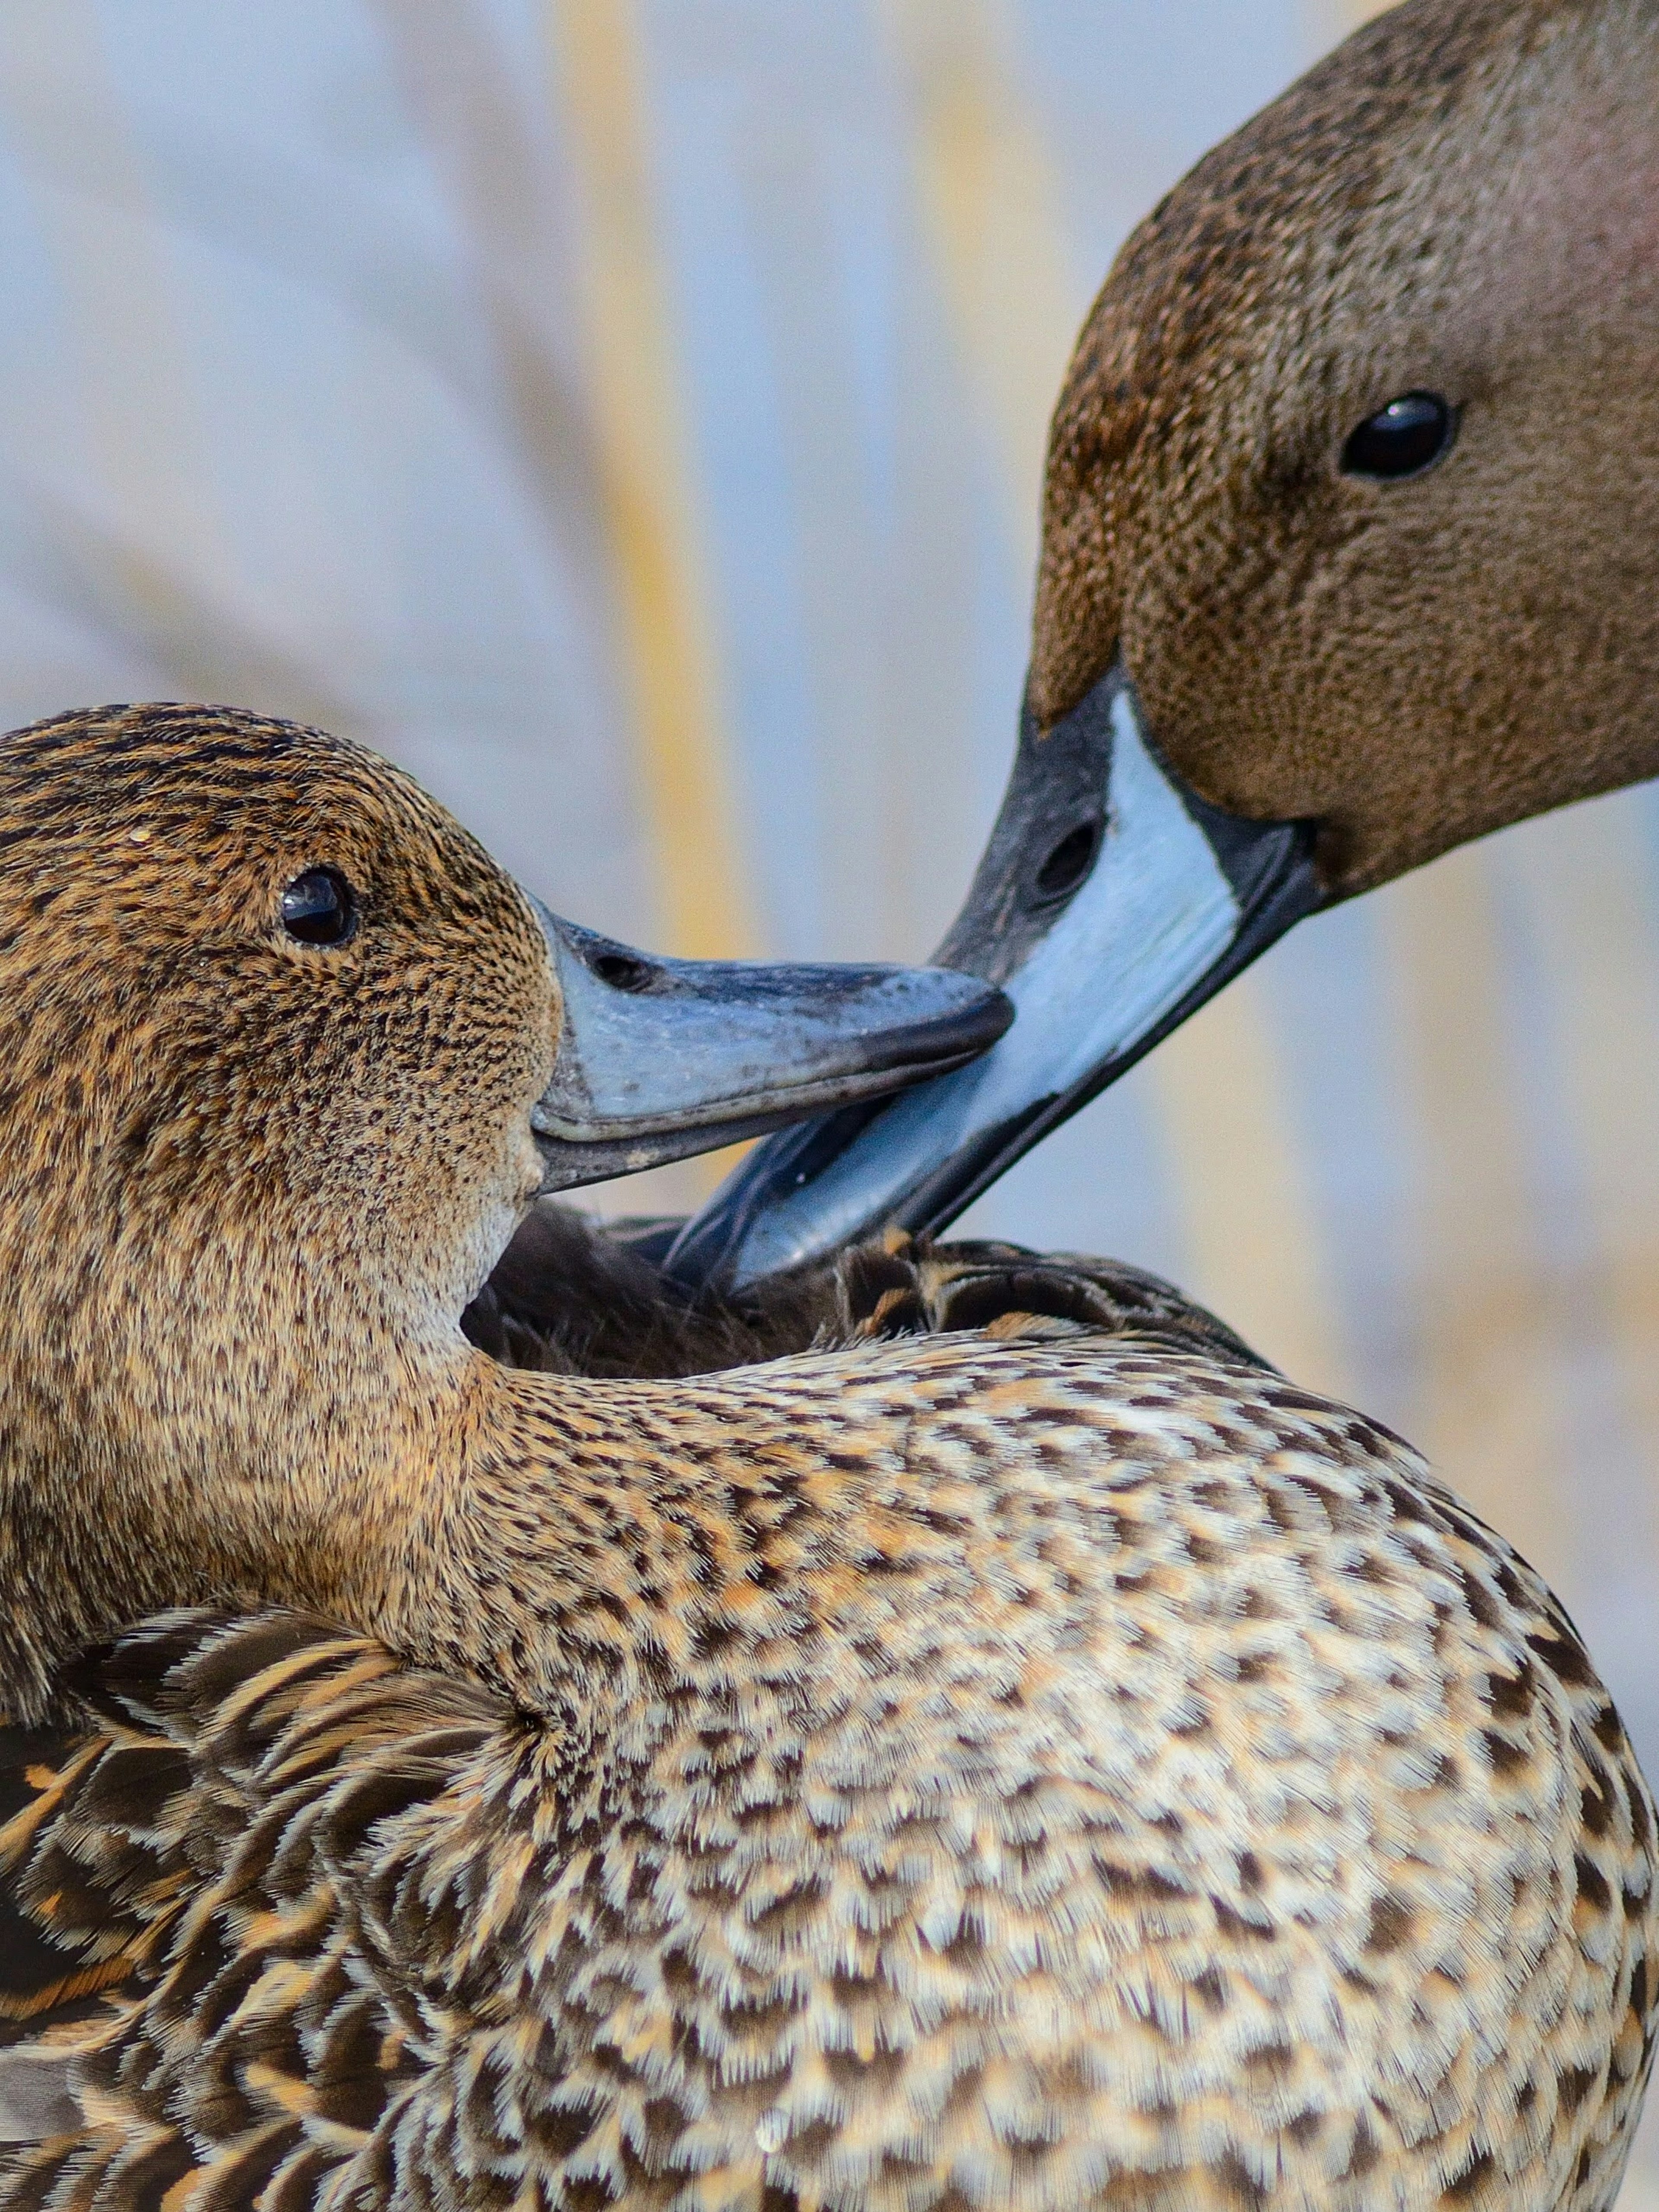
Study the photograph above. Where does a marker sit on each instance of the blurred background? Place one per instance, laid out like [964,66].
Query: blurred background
[629,415]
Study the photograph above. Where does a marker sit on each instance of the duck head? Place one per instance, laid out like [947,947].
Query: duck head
[1350,553]
[284,1058]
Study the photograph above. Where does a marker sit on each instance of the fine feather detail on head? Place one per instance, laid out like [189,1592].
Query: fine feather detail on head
[1460,200]
[248,1183]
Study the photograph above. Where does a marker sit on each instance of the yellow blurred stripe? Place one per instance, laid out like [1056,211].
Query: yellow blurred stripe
[1332,20]
[661,564]
[1249,1221]
[1490,1414]
[992,201]
[1585,879]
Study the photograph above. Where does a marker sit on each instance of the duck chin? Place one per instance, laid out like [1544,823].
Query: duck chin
[490,1235]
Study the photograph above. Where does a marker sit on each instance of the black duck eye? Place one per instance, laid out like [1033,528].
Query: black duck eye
[1402,438]
[319,908]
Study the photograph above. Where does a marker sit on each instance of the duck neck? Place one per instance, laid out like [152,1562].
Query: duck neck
[179,1448]
[549,1535]
[571,1536]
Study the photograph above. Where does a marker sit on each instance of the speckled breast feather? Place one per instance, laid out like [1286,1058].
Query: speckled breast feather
[1063,1773]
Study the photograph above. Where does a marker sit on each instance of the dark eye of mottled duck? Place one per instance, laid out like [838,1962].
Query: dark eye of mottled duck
[320,907]
[1402,438]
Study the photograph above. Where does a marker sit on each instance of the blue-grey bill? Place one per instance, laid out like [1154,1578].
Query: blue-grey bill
[661,1059]
[1109,903]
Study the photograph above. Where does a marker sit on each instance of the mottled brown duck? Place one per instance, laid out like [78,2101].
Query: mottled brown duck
[1034,1765]
[1038,1763]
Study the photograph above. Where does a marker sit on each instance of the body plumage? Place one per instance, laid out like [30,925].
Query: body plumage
[945,1773]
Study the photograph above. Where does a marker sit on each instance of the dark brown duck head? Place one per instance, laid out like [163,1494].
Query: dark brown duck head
[285,1057]
[1351,553]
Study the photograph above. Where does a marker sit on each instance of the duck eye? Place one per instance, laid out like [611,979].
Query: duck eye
[319,908]
[1401,439]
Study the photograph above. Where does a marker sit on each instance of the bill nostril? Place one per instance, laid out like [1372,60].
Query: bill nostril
[624,972]
[1070,861]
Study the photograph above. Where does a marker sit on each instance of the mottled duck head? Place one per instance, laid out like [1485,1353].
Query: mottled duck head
[284,1057]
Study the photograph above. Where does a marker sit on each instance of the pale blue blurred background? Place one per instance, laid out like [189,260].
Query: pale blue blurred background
[630,414]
